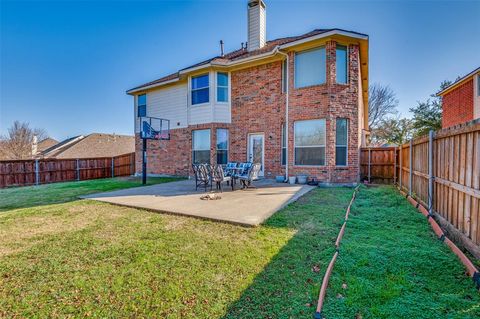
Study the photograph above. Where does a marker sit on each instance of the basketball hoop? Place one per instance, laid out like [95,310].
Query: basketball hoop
[152,128]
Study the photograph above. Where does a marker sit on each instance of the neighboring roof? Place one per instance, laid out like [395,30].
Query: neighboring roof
[46,143]
[241,54]
[93,145]
[458,82]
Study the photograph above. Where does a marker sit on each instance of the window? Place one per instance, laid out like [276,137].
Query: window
[200,89]
[341,142]
[222,87]
[284,146]
[201,146]
[310,142]
[284,76]
[222,146]
[342,63]
[478,85]
[142,105]
[310,67]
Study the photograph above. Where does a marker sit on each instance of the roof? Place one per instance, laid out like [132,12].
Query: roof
[243,53]
[92,145]
[458,82]
[46,143]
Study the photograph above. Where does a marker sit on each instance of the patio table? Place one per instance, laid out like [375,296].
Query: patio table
[235,170]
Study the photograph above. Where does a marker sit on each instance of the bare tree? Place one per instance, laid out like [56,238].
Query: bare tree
[394,130]
[382,102]
[17,144]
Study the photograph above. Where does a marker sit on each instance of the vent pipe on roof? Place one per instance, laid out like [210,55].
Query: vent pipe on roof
[221,48]
[257,24]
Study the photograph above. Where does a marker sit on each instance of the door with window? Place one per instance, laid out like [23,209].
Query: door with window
[256,150]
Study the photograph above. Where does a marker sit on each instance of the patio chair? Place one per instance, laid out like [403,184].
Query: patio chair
[202,177]
[243,169]
[218,177]
[229,168]
[252,175]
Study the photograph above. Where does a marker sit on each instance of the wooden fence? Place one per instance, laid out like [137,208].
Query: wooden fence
[441,171]
[44,171]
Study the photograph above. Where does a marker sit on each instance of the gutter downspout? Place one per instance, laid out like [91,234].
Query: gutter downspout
[286,111]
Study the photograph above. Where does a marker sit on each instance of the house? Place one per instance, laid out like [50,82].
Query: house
[461,100]
[92,145]
[297,105]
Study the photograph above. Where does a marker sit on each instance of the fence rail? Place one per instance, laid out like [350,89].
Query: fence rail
[441,171]
[45,171]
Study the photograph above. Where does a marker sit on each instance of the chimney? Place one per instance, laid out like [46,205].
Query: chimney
[257,24]
[34,145]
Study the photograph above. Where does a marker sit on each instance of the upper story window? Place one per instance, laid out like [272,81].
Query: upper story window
[478,85]
[309,138]
[222,87]
[284,76]
[310,67]
[200,89]
[342,64]
[222,146]
[201,146]
[341,142]
[142,105]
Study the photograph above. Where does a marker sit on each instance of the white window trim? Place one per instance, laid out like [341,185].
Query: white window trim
[228,142]
[209,142]
[283,146]
[138,105]
[217,86]
[284,77]
[347,63]
[310,146]
[295,68]
[346,145]
[191,89]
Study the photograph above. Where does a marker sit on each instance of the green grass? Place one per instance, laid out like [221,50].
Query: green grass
[394,266]
[20,197]
[84,258]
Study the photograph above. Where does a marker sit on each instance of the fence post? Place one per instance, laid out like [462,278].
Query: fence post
[394,165]
[430,172]
[113,167]
[37,173]
[369,163]
[77,169]
[410,169]
[401,167]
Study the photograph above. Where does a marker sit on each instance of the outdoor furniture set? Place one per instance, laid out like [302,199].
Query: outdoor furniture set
[206,174]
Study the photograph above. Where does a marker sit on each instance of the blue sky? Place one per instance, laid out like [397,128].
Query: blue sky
[65,65]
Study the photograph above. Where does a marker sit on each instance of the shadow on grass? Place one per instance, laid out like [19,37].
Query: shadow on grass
[288,286]
[56,193]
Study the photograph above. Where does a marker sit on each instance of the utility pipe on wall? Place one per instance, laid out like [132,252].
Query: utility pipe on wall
[286,111]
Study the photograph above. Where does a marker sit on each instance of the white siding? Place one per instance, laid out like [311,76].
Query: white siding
[169,103]
[221,113]
[200,114]
[257,26]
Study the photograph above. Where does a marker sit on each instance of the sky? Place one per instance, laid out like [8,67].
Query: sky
[65,65]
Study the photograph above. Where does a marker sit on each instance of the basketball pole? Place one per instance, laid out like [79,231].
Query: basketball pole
[144,161]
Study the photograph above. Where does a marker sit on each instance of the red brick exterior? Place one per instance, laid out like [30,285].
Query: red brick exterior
[458,104]
[258,106]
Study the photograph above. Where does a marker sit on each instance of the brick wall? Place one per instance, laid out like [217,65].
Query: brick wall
[258,106]
[457,105]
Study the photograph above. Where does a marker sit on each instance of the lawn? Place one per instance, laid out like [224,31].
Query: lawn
[84,258]
[31,196]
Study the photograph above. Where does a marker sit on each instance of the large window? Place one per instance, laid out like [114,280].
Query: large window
[310,67]
[284,76]
[200,89]
[310,142]
[341,64]
[284,146]
[222,87]
[142,105]
[341,142]
[222,146]
[201,146]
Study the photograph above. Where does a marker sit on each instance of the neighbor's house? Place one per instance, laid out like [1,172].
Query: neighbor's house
[461,100]
[39,146]
[90,146]
[298,105]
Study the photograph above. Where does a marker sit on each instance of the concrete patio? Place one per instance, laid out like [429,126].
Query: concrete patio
[249,207]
